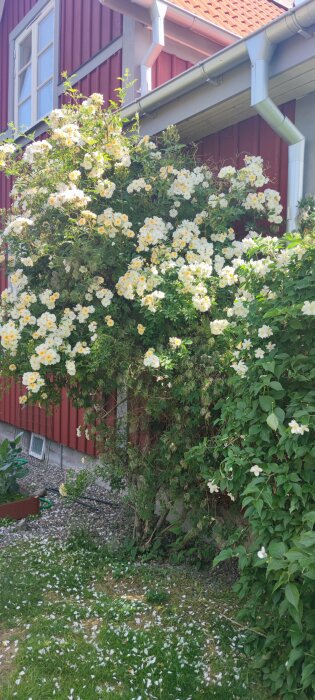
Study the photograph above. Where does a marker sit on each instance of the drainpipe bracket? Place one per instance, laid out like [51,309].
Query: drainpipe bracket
[217,80]
[301,30]
[306,35]
[214,81]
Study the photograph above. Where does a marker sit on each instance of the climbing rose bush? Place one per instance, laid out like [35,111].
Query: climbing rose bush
[133,266]
[112,238]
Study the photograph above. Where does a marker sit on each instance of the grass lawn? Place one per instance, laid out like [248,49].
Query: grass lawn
[77,622]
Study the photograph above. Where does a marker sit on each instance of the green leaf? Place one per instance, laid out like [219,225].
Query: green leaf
[225,554]
[272,421]
[307,539]
[266,402]
[310,517]
[277,549]
[276,386]
[292,595]
[295,654]
[280,413]
[308,671]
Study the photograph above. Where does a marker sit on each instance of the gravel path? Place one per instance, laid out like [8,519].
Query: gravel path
[109,522]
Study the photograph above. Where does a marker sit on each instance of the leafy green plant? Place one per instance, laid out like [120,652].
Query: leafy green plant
[265,448]
[12,468]
[77,482]
[157,596]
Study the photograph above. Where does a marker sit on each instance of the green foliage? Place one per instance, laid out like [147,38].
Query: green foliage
[77,482]
[157,596]
[267,459]
[12,467]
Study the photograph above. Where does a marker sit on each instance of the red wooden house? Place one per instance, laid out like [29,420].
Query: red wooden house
[236,76]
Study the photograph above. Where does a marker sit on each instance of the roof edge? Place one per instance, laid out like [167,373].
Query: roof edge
[296,20]
[140,10]
[176,12]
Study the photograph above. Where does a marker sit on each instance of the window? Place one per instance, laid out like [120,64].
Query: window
[34,68]
[37,446]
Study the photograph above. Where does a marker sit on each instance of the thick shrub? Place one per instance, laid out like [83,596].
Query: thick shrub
[266,447]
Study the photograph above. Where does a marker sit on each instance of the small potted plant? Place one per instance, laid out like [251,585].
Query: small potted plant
[13,503]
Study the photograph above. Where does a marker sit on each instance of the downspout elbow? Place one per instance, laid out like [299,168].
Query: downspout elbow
[260,51]
[157,12]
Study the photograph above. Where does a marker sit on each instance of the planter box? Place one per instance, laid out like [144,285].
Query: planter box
[20,509]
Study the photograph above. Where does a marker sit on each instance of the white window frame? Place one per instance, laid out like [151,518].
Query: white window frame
[32,27]
[31,452]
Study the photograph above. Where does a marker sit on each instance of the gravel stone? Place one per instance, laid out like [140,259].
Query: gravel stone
[110,523]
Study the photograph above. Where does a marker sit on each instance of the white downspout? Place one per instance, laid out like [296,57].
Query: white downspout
[260,51]
[157,12]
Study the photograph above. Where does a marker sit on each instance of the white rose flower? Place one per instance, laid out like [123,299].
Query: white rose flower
[150,359]
[308,308]
[218,326]
[213,487]
[298,429]
[256,470]
[70,367]
[265,332]
[262,554]
[175,343]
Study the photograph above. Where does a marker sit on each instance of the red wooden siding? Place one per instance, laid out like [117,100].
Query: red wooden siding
[103,79]
[251,137]
[86,28]
[59,425]
[14,11]
[166,67]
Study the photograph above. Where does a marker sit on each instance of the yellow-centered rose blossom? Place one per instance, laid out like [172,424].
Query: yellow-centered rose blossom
[63,490]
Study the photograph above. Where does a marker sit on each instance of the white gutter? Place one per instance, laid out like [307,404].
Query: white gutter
[260,51]
[203,72]
[157,12]
[295,21]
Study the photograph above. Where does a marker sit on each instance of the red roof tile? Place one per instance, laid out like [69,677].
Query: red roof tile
[240,17]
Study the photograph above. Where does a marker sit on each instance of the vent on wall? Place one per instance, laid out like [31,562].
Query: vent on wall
[37,446]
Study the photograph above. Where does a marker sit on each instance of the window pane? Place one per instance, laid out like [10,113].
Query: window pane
[25,51]
[45,66]
[24,118]
[45,100]
[25,84]
[46,31]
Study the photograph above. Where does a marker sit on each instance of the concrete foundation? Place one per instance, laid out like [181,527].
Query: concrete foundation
[55,453]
